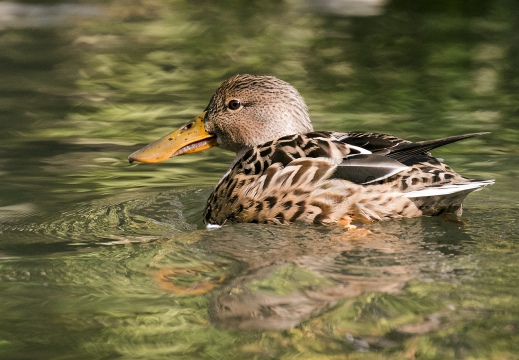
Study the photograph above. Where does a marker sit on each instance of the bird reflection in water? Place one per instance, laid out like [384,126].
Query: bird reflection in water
[282,276]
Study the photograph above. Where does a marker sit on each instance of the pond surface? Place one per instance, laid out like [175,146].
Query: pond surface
[100,259]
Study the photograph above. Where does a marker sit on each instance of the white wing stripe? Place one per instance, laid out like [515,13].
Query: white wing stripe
[449,189]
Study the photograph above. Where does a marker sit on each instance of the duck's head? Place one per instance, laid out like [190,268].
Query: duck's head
[245,111]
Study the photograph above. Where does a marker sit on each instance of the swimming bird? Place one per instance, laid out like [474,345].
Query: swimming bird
[286,172]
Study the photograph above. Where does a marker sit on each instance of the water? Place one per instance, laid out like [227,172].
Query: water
[102,260]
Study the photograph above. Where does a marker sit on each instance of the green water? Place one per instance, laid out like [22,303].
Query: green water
[100,259]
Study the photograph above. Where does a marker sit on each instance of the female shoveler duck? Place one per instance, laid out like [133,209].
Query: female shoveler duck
[284,171]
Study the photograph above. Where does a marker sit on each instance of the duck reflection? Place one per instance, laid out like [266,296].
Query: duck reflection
[286,275]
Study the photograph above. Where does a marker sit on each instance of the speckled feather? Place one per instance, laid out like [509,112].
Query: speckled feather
[294,178]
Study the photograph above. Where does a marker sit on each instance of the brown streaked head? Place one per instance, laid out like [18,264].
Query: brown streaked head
[245,111]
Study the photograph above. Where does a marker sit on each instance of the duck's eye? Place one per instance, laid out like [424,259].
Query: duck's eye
[234,104]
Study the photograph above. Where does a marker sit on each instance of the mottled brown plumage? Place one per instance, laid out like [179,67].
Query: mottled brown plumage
[285,172]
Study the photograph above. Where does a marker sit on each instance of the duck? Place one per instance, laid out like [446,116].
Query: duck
[285,172]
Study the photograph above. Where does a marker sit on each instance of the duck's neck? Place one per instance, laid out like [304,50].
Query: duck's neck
[239,155]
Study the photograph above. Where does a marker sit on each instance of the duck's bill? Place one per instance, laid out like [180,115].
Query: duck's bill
[190,138]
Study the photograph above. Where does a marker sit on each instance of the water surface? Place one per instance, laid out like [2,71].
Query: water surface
[100,259]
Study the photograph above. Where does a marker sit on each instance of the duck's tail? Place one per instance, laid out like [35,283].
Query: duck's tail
[446,189]
[446,198]
[407,151]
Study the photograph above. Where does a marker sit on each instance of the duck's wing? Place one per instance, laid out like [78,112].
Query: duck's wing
[408,152]
[367,168]
[397,148]
[386,155]
[373,142]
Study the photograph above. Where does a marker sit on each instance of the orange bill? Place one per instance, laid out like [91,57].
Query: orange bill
[190,138]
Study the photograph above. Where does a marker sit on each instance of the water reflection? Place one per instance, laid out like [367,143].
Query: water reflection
[286,275]
[254,276]
[346,7]
[19,15]
[141,273]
